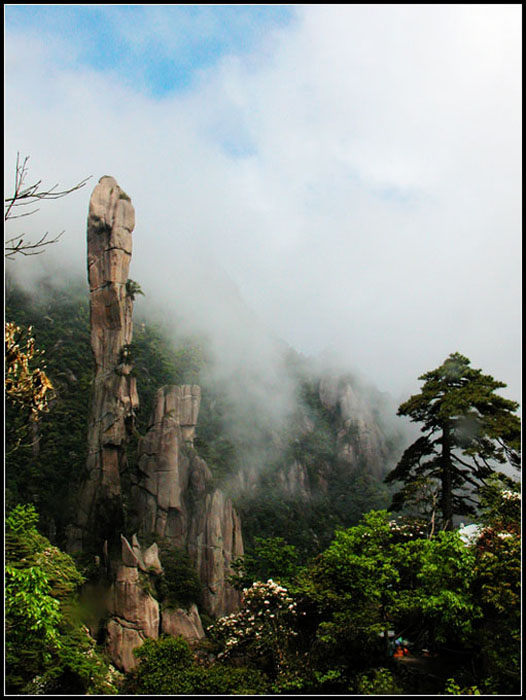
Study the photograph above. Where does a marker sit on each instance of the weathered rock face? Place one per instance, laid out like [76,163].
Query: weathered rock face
[360,437]
[186,623]
[111,220]
[214,541]
[294,481]
[165,464]
[135,613]
[338,432]
[175,498]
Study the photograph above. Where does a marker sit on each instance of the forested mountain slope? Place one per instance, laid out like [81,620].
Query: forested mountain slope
[322,467]
[322,606]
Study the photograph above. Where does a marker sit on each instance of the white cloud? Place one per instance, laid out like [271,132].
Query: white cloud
[376,209]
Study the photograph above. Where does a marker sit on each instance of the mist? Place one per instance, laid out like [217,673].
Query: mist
[350,187]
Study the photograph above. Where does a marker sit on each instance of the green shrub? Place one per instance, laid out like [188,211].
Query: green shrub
[179,584]
[168,667]
[47,648]
[378,681]
[162,669]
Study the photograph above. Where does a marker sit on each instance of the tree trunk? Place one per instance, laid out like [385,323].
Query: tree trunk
[446,501]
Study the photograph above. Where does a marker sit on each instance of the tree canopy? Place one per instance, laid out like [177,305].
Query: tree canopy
[468,431]
[48,649]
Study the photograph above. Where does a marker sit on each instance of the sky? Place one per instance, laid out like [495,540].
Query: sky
[345,177]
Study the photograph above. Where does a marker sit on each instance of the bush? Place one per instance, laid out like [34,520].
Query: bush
[168,667]
[179,584]
[379,681]
[162,669]
[48,649]
[270,557]
[263,630]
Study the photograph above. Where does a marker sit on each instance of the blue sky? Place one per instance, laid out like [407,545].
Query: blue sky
[355,170]
[158,48]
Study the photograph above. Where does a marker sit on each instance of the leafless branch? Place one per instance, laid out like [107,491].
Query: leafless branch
[11,248]
[25,196]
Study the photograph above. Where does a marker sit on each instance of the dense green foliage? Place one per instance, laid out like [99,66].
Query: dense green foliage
[167,666]
[49,470]
[269,558]
[468,431]
[457,605]
[373,580]
[48,649]
[498,585]
[179,584]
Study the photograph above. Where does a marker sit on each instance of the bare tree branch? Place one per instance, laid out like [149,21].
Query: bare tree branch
[24,248]
[25,196]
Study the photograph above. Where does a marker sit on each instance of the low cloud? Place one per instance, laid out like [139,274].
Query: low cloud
[353,184]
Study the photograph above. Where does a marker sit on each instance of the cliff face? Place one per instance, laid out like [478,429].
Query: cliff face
[111,220]
[173,490]
[134,612]
[360,438]
[168,468]
[326,467]
[176,500]
[357,441]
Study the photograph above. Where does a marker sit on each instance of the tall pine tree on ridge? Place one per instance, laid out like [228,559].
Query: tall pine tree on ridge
[468,431]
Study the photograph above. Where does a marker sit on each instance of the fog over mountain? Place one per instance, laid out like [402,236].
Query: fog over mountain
[348,186]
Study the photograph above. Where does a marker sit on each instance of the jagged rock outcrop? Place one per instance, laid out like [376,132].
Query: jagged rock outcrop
[360,438]
[337,431]
[176,500]
[173,492]
[214,541]
[135,614]
[111,220]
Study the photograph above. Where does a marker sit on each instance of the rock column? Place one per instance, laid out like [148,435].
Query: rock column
[135,614]
[176,499]
[111,220]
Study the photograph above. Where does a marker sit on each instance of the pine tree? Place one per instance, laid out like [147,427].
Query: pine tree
[468,430]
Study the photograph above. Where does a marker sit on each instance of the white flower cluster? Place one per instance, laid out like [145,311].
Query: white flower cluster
[409,529]
[265,618]
[37,686]
[511,495]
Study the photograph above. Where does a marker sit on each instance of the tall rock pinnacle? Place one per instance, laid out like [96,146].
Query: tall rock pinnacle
[111,220]
[177,501]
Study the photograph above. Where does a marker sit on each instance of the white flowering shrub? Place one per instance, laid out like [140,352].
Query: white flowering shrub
[405,528]
[264,627]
